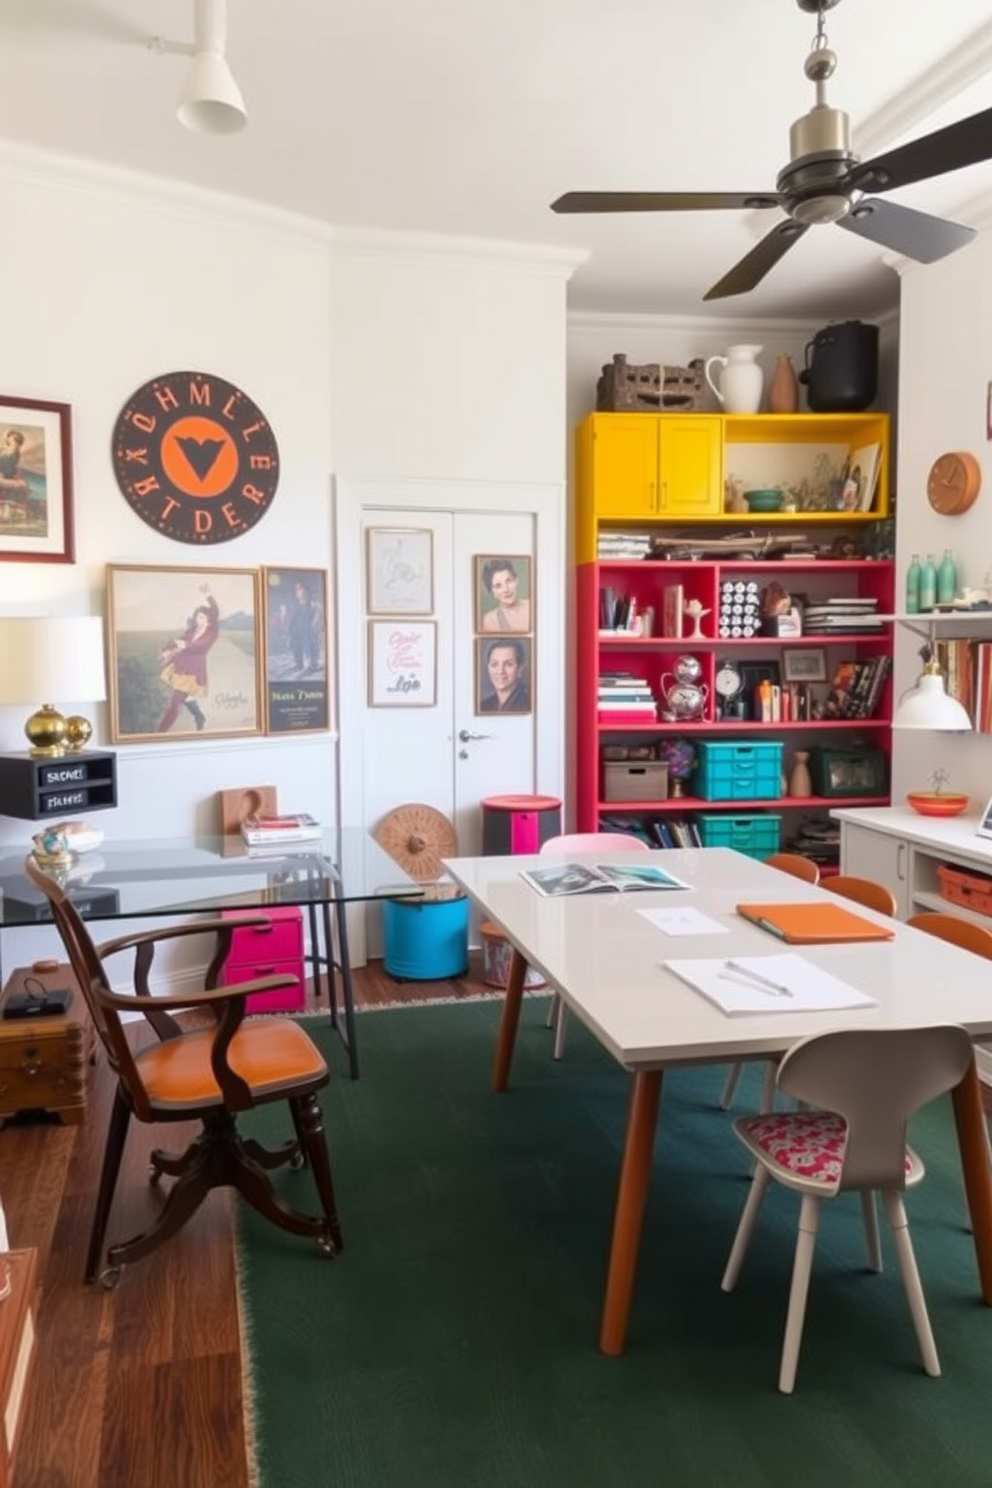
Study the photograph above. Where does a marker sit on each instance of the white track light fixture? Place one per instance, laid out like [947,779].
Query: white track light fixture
[210,101]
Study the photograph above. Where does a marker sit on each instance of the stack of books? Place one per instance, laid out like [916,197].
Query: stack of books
[277,833]
[623,545]
[625,698]
[843,616]
[856,687]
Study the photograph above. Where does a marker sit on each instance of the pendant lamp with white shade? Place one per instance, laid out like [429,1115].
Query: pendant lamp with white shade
[927,705]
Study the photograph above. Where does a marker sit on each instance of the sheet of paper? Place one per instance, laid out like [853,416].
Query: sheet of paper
[686,921]
[807,988]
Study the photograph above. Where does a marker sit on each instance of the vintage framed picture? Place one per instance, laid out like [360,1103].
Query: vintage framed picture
[804,664]
[183,653]
[36,521]
[295,673]
[402,663]
[984,828]
[504,675]
[503,594]
[400,571]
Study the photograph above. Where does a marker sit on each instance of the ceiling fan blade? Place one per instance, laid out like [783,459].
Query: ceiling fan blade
[968,142]
[916,234]
[753,267]
[663,201]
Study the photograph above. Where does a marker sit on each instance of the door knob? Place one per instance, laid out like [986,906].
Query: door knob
[468,738]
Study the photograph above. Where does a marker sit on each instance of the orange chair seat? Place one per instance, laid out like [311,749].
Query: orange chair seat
[268,1054]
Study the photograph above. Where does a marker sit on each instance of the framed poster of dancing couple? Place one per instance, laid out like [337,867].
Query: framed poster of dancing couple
[183,653]
[297,696]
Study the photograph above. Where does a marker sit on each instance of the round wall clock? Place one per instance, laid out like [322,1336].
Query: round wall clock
[953,483]
[195,457]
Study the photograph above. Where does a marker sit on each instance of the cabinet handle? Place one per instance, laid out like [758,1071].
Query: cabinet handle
[663,504]
[901,863]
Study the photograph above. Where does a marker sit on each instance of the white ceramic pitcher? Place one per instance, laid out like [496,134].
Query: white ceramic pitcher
[741,379]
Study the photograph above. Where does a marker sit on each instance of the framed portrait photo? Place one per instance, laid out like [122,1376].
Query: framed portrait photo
[504,674]
[399,571]
[804,664]
[984,828]
[504,594]
[402,663]
[296,687]
[36,520]
[183,653]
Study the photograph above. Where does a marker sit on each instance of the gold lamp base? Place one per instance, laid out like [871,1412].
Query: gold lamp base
[46,731]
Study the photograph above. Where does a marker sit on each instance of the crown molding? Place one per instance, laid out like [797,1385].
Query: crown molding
[452,251]
[603,320]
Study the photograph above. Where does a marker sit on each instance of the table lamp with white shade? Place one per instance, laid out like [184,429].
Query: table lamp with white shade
[52,657]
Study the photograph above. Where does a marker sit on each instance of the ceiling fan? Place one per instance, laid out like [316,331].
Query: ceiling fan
[826,182]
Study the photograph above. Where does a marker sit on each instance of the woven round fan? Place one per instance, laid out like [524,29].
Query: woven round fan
[417,837]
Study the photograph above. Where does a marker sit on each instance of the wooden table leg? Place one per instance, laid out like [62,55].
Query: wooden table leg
[642,1119]
[970,1118]
[507,1036]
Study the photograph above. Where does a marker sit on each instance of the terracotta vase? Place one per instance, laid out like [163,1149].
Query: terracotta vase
[783,390]
[800,783]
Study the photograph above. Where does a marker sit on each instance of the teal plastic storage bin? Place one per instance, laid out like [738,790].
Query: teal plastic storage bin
[425,940]
[744,770]
[758,836]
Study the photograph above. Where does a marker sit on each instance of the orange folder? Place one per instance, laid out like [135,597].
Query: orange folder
[809,924]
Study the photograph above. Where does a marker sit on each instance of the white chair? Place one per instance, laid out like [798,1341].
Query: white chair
[797,867]
[866,1084]
[583,842]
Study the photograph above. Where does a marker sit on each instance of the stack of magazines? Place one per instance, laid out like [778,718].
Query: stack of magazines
[279,833]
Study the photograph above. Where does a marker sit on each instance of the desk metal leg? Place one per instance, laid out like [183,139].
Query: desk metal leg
[325,968]
[969,1117]
[642,1121]
[507,1035]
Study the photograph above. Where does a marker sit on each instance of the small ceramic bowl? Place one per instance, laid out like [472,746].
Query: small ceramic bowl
[937,803]
[764,501]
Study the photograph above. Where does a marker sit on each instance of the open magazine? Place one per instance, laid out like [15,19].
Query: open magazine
[584,878]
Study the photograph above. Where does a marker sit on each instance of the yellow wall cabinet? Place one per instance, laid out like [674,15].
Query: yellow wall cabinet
[653,465]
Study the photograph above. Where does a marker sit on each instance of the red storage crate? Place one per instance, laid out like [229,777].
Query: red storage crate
[971,890]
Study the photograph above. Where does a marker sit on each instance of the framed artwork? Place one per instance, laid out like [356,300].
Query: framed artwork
[504,675]
[802,664]
[36,523]
[402,663]
[984,828]
[400,571]
[503,594]
[296,691]
[183,653]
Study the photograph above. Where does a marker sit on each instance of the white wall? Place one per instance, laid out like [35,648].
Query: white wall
[945,368]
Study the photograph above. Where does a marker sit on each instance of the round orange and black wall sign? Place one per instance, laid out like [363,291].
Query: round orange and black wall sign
[195,457]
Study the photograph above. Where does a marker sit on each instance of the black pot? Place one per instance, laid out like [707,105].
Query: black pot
[841,371]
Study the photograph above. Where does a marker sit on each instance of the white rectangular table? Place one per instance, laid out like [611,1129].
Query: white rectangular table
[605,959]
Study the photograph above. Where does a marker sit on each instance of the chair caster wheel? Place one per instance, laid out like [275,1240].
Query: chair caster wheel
[110,1277]
[154,1174]
[326,1247]
[297,1162]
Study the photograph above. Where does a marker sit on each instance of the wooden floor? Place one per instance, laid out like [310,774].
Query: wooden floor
[139,1387]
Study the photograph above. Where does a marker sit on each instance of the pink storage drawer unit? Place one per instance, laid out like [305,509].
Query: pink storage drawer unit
[268,950]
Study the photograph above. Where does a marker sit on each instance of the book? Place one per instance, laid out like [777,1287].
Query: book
[784,983]
[257,831]
[559,879]
[813,923]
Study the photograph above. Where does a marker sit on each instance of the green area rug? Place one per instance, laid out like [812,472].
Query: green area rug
[454,1340]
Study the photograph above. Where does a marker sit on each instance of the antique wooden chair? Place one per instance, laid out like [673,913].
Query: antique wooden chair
[207,1069]
[866,1083]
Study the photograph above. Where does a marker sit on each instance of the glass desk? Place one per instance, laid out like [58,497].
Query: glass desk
[202,875]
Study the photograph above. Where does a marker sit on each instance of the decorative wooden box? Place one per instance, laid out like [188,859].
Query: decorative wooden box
[43,1061]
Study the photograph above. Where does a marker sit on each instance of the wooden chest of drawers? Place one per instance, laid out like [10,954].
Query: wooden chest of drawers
[267,950]
[44,1061]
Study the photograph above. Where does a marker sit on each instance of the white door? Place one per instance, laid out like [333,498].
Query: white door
[449,754]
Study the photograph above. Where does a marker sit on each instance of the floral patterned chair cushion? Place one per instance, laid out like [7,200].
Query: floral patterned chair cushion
[810,1144]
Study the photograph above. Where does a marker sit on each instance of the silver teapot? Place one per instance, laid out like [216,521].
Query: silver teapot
[683,695]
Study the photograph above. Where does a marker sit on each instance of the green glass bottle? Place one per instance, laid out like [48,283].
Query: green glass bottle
[928,584]
[913,586]
[947,579]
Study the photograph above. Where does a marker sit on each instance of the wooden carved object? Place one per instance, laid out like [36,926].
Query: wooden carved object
[650,388]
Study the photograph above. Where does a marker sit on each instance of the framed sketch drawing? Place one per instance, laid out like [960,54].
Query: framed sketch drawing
[35,481]
[295,668]
[400,571]
[402,664]
[504,675]
[183,653]
[805,665]
[503,594]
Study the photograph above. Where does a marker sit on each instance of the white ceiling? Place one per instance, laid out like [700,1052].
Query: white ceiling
[469,117]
